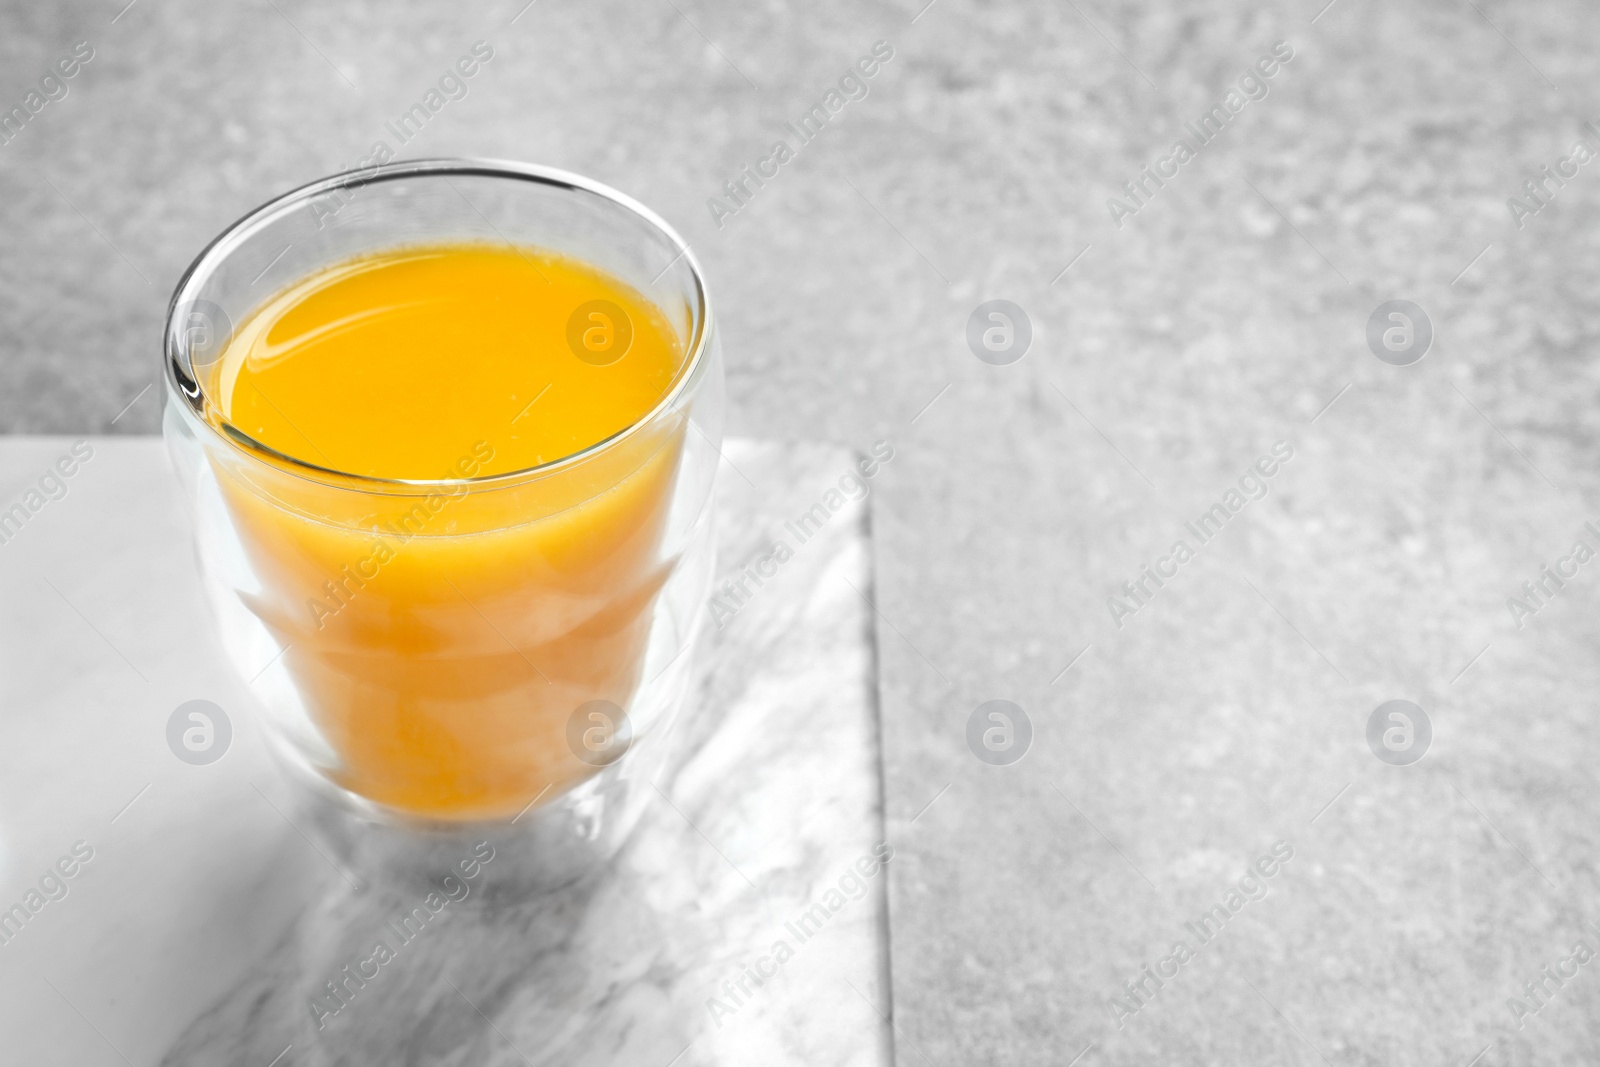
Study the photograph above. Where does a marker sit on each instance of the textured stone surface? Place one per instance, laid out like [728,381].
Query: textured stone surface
[209,912]
[1221,318]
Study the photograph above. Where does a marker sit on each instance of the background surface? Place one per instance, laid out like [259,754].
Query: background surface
[1169,353]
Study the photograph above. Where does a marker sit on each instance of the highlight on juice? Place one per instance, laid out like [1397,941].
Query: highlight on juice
[451,456]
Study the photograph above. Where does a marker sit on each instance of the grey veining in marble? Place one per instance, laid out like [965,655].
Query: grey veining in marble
[208,920]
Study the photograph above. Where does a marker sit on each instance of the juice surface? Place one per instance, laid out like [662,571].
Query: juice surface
[441,643]
[391,366]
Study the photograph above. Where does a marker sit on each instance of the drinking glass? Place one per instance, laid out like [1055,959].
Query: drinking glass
[496,657]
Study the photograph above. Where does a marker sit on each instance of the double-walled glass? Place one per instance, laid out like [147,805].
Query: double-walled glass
[466,657]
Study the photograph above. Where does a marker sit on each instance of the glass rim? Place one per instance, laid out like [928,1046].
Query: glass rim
[192,398]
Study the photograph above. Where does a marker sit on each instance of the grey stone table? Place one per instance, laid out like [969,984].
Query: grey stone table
[1172,346]
[192,914]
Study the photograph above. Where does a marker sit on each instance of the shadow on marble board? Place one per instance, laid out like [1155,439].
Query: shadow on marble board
[431,999]
[773,798]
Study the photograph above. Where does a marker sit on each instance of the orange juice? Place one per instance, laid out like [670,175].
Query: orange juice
[442,637]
